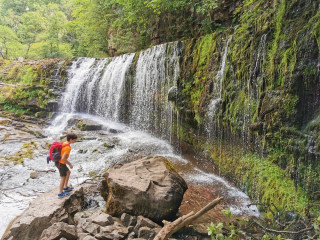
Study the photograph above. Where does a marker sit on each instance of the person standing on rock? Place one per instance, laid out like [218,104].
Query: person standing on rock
[64,171]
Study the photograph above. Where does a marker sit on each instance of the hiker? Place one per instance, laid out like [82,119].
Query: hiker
[64,171]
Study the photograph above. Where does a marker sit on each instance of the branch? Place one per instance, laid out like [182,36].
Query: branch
[286,232]
[170,228]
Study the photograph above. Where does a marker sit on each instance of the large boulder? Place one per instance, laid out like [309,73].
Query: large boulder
[149,187]
[43,212]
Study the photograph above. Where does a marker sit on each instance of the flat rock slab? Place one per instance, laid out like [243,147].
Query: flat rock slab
[43,212]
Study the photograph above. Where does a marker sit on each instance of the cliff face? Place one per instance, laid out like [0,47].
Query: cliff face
[249,100]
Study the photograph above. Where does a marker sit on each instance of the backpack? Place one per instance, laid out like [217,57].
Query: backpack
[55,151]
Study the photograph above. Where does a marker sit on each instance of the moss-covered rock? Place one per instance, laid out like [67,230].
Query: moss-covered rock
[26,87]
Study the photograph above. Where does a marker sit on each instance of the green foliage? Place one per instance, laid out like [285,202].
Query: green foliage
[316,226]
[9,44]
[32,23]
[217,231]
[15,109]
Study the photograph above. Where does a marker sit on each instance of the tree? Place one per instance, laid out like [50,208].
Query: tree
[8,39]
[55,31]
[32,24]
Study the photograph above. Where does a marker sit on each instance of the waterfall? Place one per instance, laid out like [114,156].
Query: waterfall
[123,90]
[214,105]
[96,86]
[157,70]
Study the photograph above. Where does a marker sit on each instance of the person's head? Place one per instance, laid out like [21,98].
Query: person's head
[72,137]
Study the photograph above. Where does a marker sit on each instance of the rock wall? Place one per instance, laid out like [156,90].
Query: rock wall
[248,99]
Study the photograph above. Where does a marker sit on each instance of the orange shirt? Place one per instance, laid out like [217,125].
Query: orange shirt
[64,150]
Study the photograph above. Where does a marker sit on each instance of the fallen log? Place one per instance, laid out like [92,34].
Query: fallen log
[170,228]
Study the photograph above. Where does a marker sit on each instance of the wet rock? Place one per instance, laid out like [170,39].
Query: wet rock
[34,175]
[111,130]
[149,187]
[106,145]
[88,125]
[41,114]
[172,94]
[53,106]
[44,211]
[5,121]
[59,230]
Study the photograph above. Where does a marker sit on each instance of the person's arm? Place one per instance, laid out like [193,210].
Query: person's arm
[65,159]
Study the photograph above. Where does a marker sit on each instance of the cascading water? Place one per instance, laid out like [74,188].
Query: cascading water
[97,86]
[213,107]
[157,70]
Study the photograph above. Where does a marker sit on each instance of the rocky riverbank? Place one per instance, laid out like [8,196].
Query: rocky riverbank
[149,187]
[102,145]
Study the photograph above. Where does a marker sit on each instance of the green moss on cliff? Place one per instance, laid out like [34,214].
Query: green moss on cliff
[269,100]
[26,85]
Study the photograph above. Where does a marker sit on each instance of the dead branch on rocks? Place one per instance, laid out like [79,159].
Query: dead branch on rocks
[170,228]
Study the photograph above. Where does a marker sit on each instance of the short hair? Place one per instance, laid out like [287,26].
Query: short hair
[71,136]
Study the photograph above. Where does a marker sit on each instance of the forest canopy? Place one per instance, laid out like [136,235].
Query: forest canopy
[97,28]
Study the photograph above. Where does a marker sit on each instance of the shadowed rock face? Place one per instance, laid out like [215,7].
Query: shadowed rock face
[149,187]
[43,212]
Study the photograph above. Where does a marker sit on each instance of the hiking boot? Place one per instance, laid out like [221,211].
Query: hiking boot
[68,189]
[63,194]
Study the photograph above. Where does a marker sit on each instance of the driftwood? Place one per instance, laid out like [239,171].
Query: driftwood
[170,228]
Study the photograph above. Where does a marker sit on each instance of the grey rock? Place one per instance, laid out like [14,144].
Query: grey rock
[52,106]
[149,187]
[88,125]
[88,226]
[146,233]
[128,220]
[144,222]
[82,236]
[88,237]
[131,235]
[59,230]
[115,231]
[172,94]
[102,219]
[43,212]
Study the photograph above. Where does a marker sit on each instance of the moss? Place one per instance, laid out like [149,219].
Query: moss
[26,151]
[263,180]
[28,82]
[169,165]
